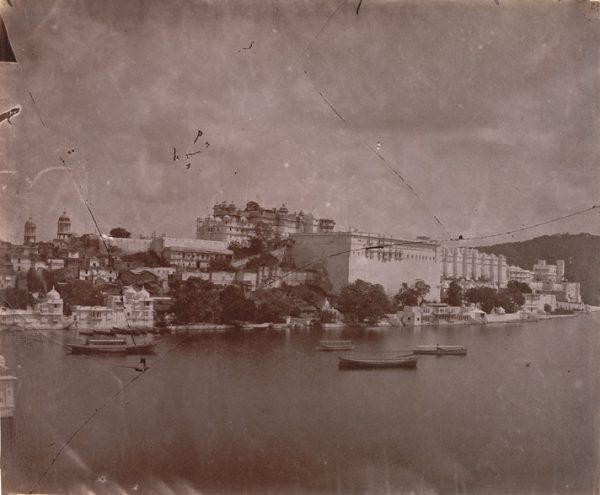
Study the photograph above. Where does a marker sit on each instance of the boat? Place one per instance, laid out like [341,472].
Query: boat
[279,326]
[253,326]
[335,345]
[95,346]
[407,361]
[103,331]
[441,350]
[127,331]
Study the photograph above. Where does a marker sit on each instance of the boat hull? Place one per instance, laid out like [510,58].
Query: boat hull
[141,348]
[335,345]
[354,363]
[92,349]
[335,348]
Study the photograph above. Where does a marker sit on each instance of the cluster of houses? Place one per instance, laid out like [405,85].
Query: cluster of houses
[109,263]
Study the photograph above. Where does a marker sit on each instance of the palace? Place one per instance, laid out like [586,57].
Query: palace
[348,256]
[470,264]
[229,223]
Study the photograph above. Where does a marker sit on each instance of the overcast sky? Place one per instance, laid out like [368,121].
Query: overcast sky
[489,112]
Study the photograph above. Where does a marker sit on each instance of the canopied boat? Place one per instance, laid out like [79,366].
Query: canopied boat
[442,350]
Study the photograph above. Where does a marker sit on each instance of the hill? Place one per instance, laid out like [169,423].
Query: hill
[581,253]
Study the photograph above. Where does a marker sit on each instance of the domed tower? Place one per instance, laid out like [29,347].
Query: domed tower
[64,227]
[29,236]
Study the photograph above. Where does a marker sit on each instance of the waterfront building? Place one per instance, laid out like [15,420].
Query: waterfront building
[7,391]
[29,236]
[348,256]
[46,314]
[436,314]
[569,292]
[229,223]
[470,264]
[536,302]
[132,308]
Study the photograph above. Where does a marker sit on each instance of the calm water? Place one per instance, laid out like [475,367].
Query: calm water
[264,412]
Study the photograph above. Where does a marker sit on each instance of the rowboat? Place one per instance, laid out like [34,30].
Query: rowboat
[93,346]
[100,346]
[254,326]
[335,345]
[408,361]
[279,326]
[442,350]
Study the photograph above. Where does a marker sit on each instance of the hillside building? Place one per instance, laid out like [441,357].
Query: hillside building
[519,274]
[543,272]
[471,264]
[348,256]
[229,223]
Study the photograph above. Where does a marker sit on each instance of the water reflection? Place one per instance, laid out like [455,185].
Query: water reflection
[264,412]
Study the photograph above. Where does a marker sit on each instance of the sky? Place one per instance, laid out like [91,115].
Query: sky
[488,112]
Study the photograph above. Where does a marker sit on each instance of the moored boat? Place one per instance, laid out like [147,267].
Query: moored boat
[254,326]
[93,346]
[127,331]
[441,350]
[99,346]
[335,345]
[407,361]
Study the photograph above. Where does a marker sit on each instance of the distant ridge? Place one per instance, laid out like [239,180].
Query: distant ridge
[581,253]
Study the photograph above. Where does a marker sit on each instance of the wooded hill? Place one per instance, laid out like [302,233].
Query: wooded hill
[581,253]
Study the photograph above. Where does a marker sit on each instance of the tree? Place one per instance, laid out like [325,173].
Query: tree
[272,305]
[35,282]
[220,265]
[455,295]
[504,300]
[79,293]
[547,308]
[16,298]
[235,306]
[310,294]
[265,259]
[522,287]
[411,296]
[196,301]
[120,232]
[360,301]
[484,296]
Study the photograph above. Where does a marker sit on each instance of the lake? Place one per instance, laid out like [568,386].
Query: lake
[265,412]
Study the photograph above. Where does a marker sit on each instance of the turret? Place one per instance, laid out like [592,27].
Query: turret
[64,227]
[29,234]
